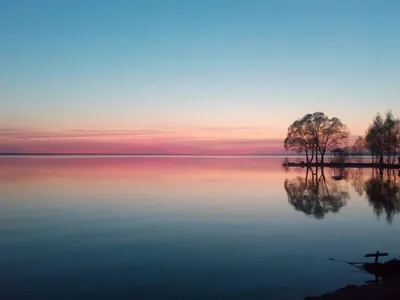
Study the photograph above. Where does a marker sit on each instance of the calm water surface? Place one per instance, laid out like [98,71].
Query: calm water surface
[187,228]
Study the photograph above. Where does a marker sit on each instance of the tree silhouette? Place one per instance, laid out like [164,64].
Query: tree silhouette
[383,194]
[315,196]
[299,139]
[358,149]
[315,134]
[383,138]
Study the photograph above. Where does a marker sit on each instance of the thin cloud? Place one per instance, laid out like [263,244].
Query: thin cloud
[188,132]
[236,128]
[140,141]
[29,134]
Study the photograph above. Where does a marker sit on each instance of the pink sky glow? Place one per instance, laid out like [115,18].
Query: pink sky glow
[241,140]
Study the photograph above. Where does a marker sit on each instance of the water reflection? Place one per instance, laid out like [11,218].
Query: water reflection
[169,227]
[315,195]
[383,193]
[357,180]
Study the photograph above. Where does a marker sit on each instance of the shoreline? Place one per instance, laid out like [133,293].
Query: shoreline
[372,291]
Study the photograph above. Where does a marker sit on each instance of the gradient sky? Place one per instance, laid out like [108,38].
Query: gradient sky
[190,76]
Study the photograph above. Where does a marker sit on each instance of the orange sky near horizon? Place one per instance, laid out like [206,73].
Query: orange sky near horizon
[167,139]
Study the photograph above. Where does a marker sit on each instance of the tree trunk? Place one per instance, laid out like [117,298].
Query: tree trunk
[312,156]
[322,157]
[307,175]
[306,155]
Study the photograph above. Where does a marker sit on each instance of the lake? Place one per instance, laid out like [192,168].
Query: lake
[187,227]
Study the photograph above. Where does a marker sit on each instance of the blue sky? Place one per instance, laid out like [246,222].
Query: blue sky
[168,65]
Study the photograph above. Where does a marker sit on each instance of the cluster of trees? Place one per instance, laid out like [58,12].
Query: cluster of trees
[315,134]
[382,138]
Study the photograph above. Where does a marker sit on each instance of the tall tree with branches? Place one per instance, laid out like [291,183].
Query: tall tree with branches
[383,138]
[299,140]
[315,133]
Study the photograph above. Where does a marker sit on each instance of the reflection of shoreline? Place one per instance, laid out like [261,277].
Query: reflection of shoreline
[316,196]
[342,165]
[381,188]
[383,193]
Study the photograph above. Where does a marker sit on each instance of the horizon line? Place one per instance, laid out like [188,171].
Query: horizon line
[139,154]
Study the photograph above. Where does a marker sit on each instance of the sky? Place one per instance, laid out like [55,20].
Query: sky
[190,77]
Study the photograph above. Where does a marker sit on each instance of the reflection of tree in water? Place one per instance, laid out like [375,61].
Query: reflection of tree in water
[383,193]
[340,173]
[357,180]
[314,195]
